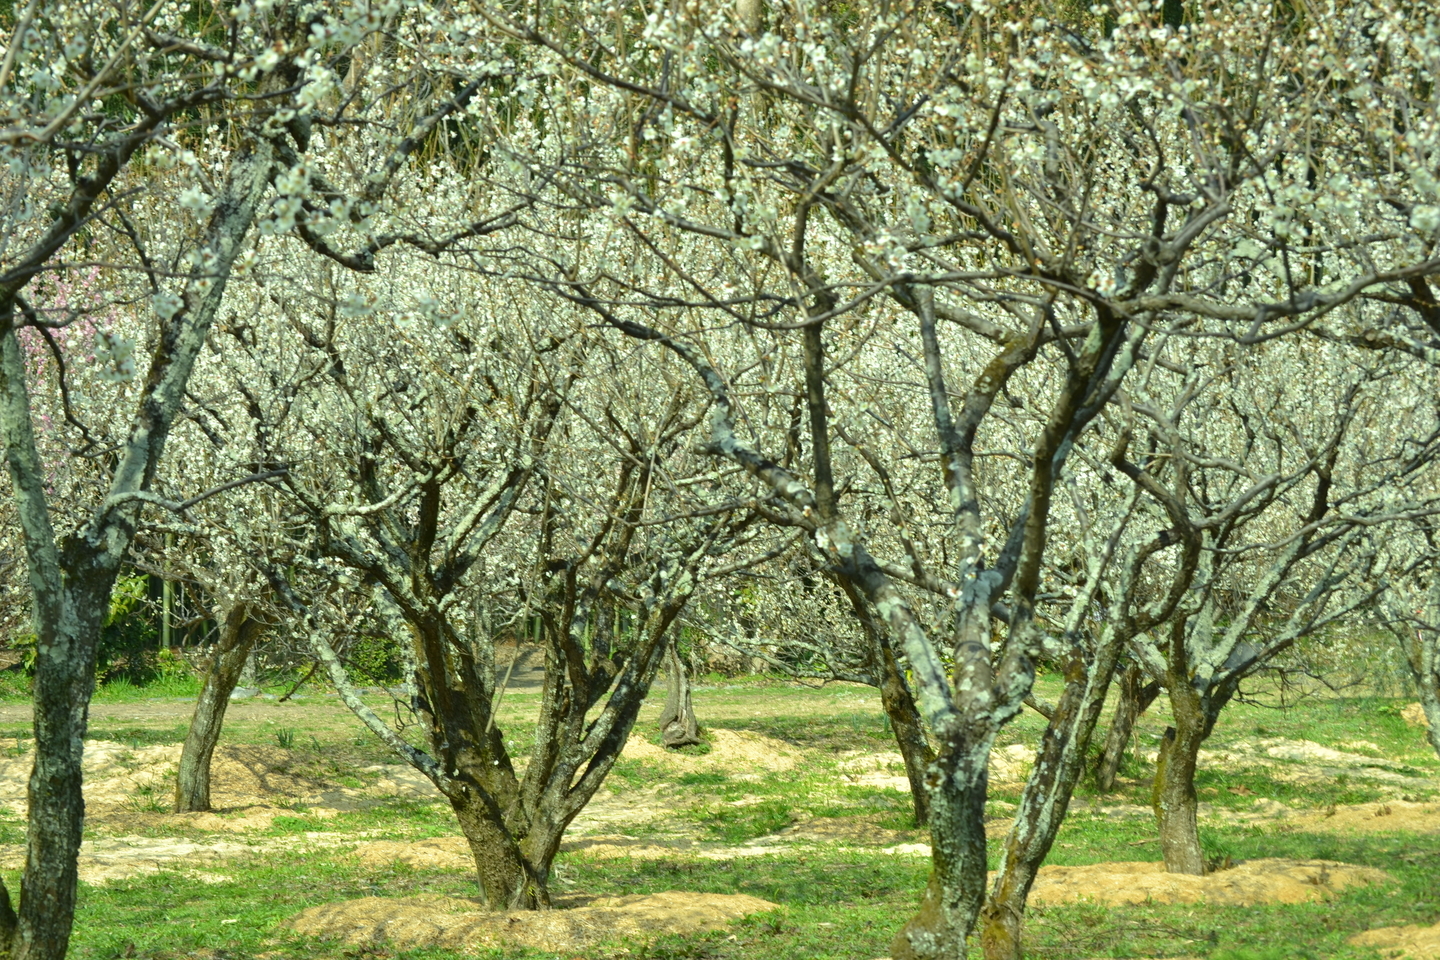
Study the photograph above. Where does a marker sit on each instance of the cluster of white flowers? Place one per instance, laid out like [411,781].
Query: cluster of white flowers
[114,357]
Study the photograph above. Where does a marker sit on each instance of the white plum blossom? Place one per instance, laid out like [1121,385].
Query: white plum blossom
[114,357]
[1425,218]
[196,202]
[166,304]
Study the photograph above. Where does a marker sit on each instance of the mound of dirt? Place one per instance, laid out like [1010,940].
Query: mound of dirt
[887,769]
[406,923]
[1304,761]
[1414,714]
[1412,942]
[113,772]
[1248,883]
[236,820]
[115,858]
[436,853]
[250,775]
[126,787]
[731,752]
[1386,817]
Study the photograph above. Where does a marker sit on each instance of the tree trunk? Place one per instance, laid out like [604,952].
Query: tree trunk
[1430,703]
[1135,697]
[956,889]
[1058,767]
[1422,652]
[232,652]
[678,726]
[70,585]
[1174,798]
[1173,794]
[909,730]
[64,683]
[507,881]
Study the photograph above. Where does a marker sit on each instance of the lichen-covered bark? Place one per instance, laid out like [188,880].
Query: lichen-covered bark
[71,580]
[1173,795]
[953,896]
[238,631]
[1058,767]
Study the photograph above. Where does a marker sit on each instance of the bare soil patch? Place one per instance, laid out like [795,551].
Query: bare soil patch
[127,788]
[886,769]
[115,858]
[1246,884]
[864,830]
[1413,942]
[1389,816]
[1304,761]
[731,752]
[410,922]
[435,853]
[1414,714]
[229,820]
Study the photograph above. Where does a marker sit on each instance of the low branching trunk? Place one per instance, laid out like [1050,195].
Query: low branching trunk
[232,651]
[1173,795]
[507,880]
[678,725]
[1175,803]
[1058,767]
[1135,694]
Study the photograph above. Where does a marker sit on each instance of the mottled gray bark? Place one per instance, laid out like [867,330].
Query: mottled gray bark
[1173,797]
[1175,803]
[1058,767]
[951,903]
[233,650]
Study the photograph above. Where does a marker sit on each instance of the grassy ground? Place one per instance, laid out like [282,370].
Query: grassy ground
[837,902]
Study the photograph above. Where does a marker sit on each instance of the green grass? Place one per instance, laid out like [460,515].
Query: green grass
[124,690]
[836,904]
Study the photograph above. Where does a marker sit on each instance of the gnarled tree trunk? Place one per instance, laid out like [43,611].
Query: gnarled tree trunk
[238,631]
[507,880]
[678,726]
[1175,802]
[1173,795]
